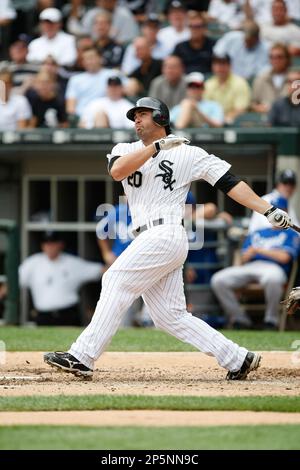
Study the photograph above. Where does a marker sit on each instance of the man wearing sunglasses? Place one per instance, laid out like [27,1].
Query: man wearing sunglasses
[196,54]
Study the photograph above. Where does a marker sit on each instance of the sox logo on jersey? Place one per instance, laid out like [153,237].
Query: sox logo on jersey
[165,166]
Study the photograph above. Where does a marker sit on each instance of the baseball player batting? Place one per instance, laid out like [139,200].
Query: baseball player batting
[156,173]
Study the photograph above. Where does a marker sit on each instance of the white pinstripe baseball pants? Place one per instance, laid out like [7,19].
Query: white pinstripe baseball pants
[152,267]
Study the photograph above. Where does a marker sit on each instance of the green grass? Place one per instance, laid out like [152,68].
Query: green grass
[136,339]
[217,437]
[135,402]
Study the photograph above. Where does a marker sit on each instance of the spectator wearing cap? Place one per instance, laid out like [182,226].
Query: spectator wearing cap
[149,31]
[15,110]
[54,279]
[149,69]
[111,52]
[280,196]
[229,90]
[285,111]
[53,41]
[226,12]
[85,87]
[196,54]
[249,55]
[194,111]
[124,26]
[170,87]
[271,84]
[281,29]
[177,31]
[109,111]
[22,71]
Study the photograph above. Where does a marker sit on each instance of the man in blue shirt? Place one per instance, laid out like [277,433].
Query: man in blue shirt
[267,256]
[248,53]
[85,87]
[193,110]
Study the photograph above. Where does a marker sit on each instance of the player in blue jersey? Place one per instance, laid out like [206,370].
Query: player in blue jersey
[117,223]
[267,256]
[280,196]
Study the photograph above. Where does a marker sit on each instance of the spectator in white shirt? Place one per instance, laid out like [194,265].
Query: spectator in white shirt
[54,279]
[282,29]
[109,111]
[15,110]
[85,87]
[178,30]
[226,12]
[53,41]
[261,10]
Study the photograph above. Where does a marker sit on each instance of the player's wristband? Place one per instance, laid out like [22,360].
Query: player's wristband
[270,211]
[157,146]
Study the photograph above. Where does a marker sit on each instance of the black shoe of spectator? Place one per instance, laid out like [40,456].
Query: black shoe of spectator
[269,326]
[241,326]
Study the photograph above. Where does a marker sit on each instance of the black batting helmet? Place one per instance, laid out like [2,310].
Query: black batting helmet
[160,112]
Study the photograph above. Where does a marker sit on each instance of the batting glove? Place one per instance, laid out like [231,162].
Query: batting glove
[169,142]
[278,218]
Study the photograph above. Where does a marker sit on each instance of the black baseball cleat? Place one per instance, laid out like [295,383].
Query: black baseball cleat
[68,363]
[251,362]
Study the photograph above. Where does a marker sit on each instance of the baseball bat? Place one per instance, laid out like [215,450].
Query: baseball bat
[295,227]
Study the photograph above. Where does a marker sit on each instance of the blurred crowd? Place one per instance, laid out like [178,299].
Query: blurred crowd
[214,63]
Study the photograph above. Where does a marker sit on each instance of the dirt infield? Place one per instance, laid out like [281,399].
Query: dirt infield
[147,418]
[190,374]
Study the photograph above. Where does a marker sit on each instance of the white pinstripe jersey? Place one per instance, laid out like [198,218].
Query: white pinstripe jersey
[160,186]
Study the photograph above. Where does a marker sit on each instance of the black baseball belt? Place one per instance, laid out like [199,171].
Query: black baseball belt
[154,223]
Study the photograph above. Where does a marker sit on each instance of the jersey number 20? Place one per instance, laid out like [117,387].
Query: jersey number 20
[135,179]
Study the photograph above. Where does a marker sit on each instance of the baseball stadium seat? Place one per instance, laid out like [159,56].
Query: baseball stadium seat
[251,119]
